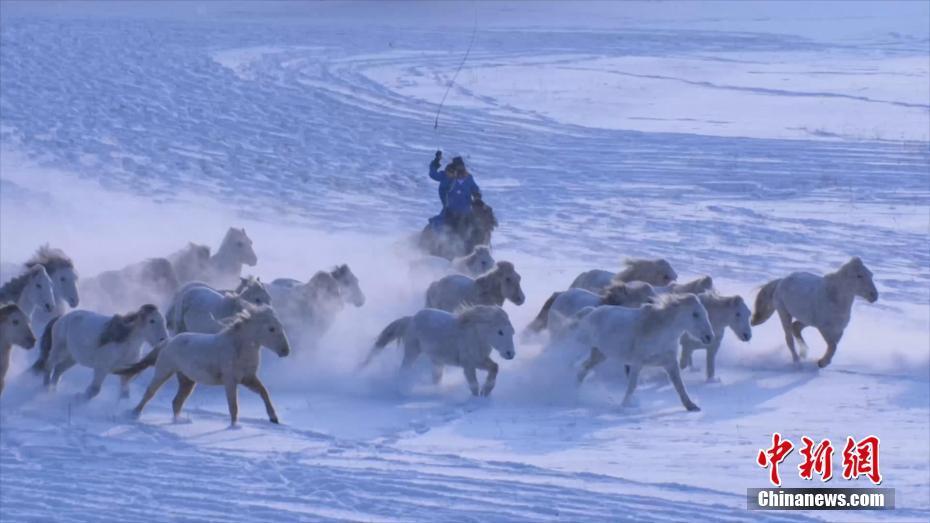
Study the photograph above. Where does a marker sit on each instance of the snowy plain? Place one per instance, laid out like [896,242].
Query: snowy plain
[744,141]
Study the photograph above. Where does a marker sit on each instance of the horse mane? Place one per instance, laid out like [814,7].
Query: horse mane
[670,300]
[51,258]
[478,314]
[11,290]
[634,267]
[8,310]
[248,312]
[324,283]
[160,268]
[119,327]
[632,289]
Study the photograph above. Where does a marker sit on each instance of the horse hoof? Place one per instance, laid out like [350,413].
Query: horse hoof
[693,408]
[274,420]
[823,363]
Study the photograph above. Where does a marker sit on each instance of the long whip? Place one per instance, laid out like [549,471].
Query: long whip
[474,32]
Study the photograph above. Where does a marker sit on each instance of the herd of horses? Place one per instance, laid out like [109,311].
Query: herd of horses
[206,322]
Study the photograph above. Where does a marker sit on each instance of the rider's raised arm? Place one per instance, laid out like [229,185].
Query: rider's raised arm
[434,171]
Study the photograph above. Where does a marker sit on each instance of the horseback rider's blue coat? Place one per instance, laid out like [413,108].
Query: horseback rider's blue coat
[460,193]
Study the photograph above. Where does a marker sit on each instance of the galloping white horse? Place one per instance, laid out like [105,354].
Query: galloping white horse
[309,309]
[656,272]
[61,271]
[822,302]
[229,358]
[14,330]
[569,302]
[648,335]
[103,343]
[31,290]
[491,288]
[221,270]
[200,308]
[723,312]
[464,339]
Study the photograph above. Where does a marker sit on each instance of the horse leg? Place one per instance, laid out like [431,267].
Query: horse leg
[255,385]
[712,360]
[4,363]
[159,379]
[472,379]
[489,365]
[52,377]
[185,388]
[437,373]
[685,357]
[411,352]
[832,340]
[785,318]
[632,380]
[675,375]
[94,388]
[232,400]
[796,329]
[593,360]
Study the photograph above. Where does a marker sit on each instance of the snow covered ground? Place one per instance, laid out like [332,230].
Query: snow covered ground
[743,141]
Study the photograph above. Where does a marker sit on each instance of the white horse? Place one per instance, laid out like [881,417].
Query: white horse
[14,330]
[229,358]
[566,304]
[148,281]
[105,344]
[64,278]
[221,270]
[822,302]
[656,272]
[491,288]
[648,335]
[464,339]
[200,308]
[309,309]
[30,291]
[477,263]
[723,312]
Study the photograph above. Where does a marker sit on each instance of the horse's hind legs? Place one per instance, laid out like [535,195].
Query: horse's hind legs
[185,388]
[94,388]
[796,329]
[785,318]
[52,377]
[593,360]
[632,380]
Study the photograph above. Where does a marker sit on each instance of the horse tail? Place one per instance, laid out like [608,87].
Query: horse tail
[133,370]
[45,347]
[542,319]
[765,303]
[394,331]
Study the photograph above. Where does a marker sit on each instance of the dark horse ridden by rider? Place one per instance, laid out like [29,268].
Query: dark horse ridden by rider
[465,221]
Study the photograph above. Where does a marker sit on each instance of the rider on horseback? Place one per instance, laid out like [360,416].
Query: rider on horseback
[457,191]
